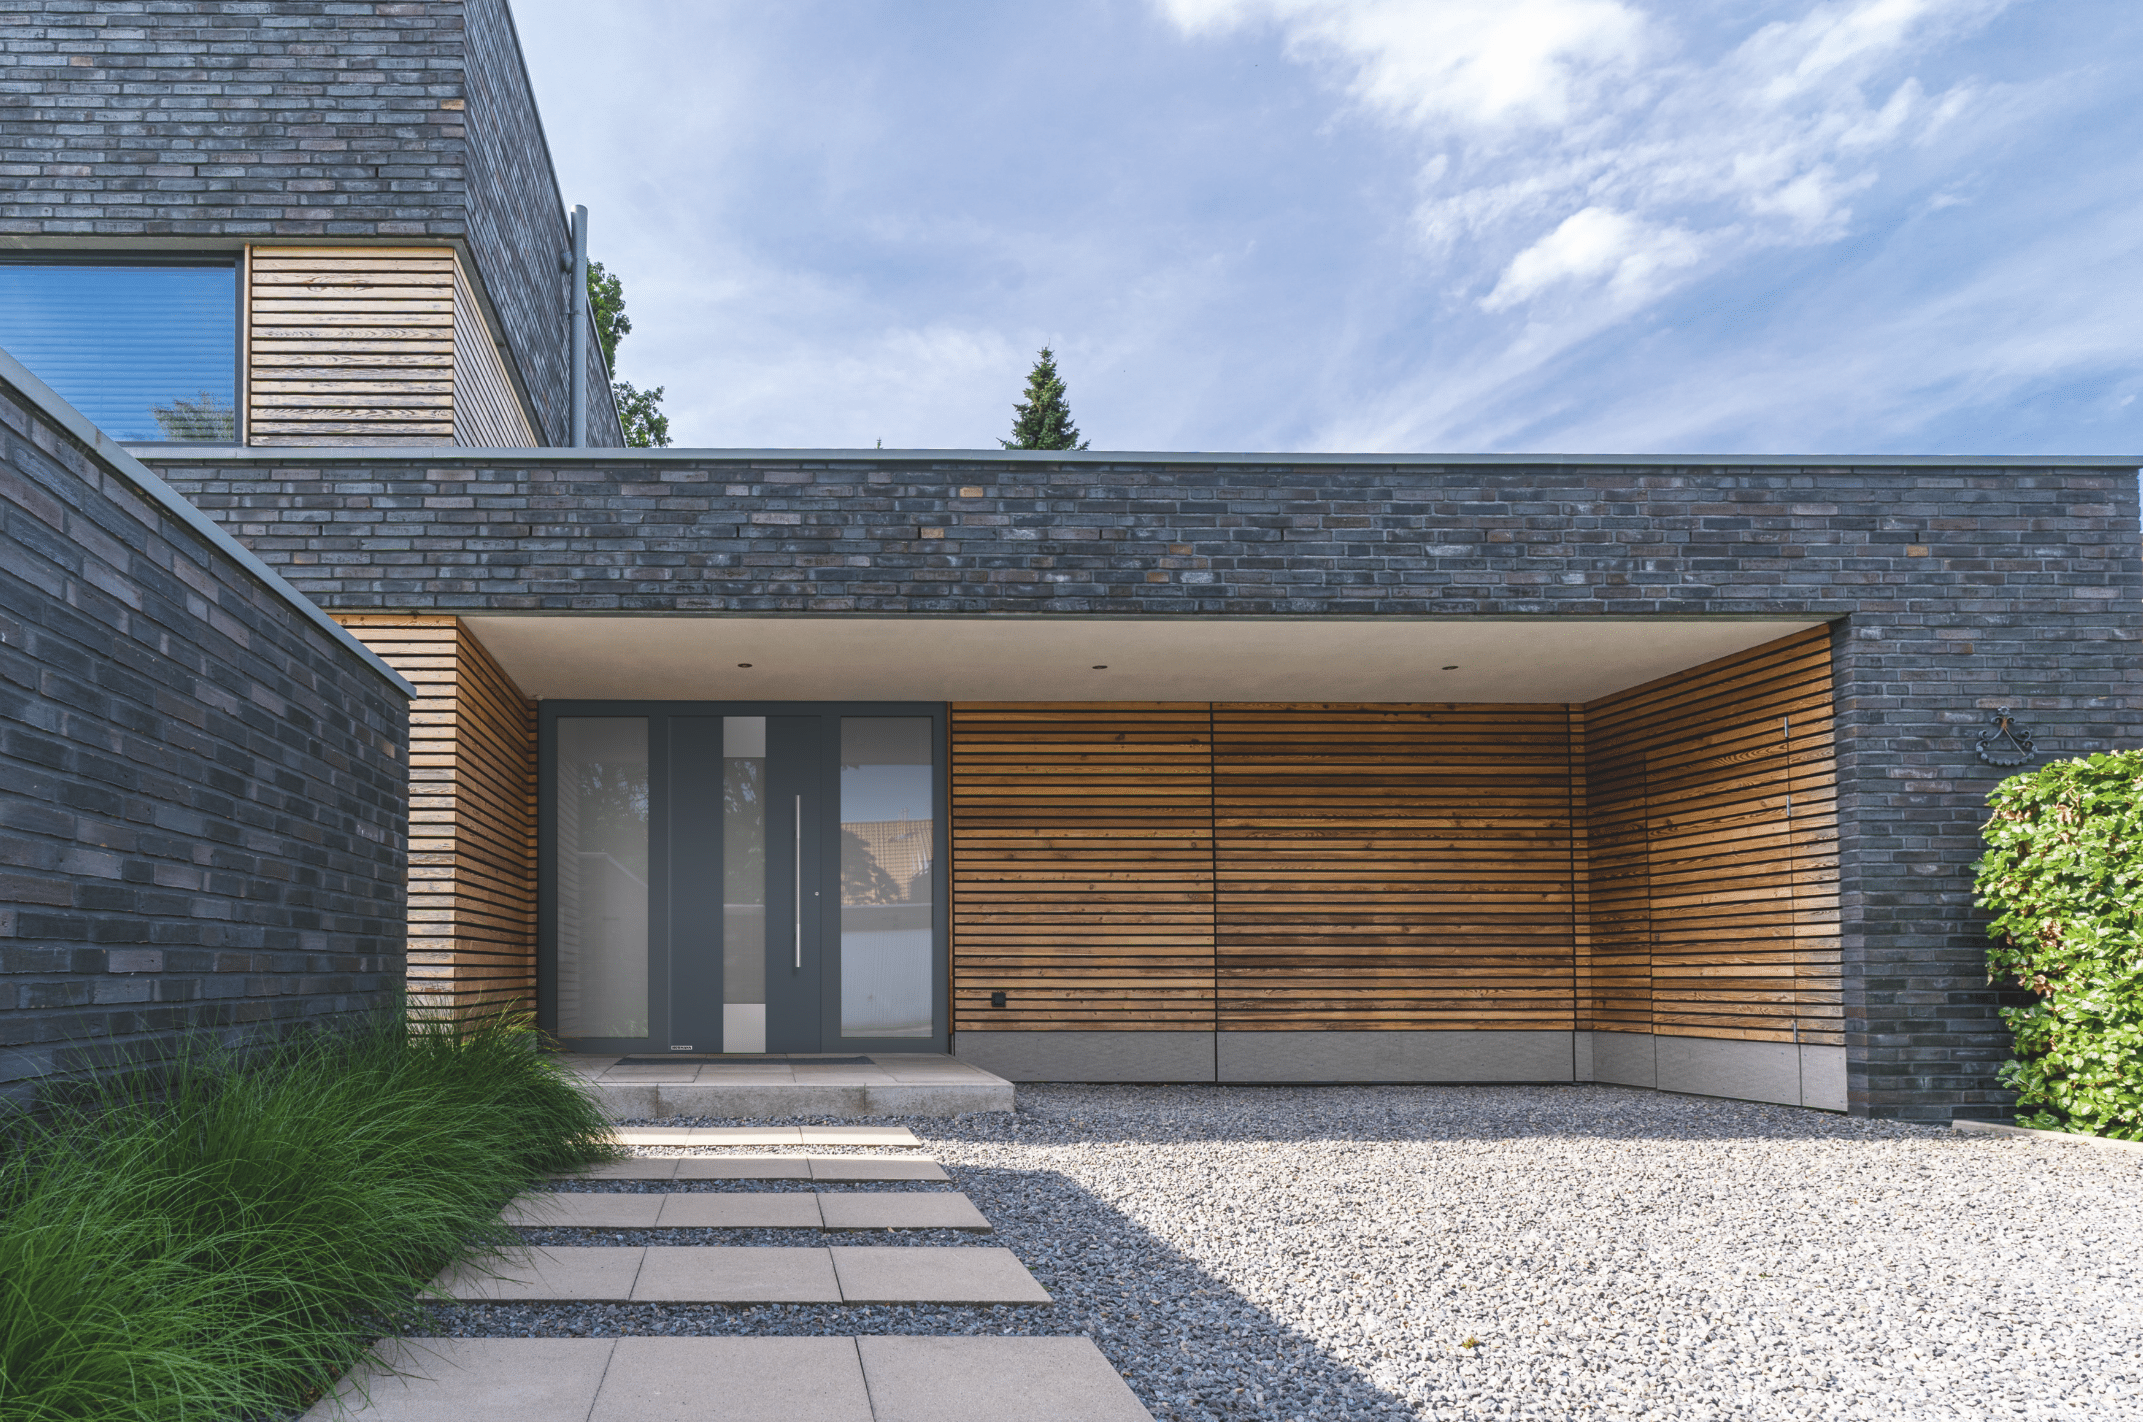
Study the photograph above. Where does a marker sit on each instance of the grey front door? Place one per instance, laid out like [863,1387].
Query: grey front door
[795,885]
[743,877]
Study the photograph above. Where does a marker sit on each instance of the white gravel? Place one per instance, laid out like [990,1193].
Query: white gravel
[1528,1252]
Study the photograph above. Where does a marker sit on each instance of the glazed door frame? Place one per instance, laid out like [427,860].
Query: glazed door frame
[684,884]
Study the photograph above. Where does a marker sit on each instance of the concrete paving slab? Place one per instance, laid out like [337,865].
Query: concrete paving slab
[994,1379]
[914,1274]
[879,1209]
[547,1209]
[722,1274]
[859,1136]
[546,1275]
[764,1167]
[744,1167]
[473,1380]
[733,1380]
[652,1135]
[874,1167]
[744,1135]
[759,1210]
[635,1168]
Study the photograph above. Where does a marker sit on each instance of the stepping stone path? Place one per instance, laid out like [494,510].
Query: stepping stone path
[726,1379]
[854,1210]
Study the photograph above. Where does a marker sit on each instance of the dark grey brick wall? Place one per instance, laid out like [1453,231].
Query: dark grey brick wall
[1957,588]
[125,118]
[261,120]
[203,794]
[518,227]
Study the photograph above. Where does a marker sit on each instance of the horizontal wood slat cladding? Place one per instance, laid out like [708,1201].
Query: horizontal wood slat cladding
[487,412]
[1626,865]
[371,346]
[472,833]
[1714,851]
[1082,867]
[1398,867]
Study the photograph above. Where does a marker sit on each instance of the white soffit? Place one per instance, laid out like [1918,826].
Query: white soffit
[1033,659]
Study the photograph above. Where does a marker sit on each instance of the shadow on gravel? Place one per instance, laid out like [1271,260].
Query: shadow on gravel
[1191,1347]
[1174,1114]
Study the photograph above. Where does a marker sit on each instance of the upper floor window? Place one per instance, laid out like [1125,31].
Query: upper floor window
[147,351]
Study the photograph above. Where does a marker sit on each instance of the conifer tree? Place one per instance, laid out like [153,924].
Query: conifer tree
[1043,420]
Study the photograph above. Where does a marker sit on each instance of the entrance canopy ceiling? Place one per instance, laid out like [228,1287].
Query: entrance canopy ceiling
[1096,659]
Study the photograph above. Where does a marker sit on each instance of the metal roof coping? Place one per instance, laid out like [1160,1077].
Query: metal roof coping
[437,454]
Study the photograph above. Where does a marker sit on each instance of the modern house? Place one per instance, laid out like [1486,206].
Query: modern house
[1095,766]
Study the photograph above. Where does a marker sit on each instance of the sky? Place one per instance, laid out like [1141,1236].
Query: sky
[1393,226]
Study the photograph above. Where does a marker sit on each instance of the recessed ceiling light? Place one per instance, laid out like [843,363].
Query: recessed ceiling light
[1101,666]
[1453,667]
[743,664]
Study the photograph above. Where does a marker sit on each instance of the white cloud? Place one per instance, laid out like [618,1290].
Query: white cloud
[1632,257]
[1467,63]
[1557,133]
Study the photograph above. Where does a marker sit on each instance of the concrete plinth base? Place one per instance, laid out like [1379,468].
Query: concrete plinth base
[1781,1072]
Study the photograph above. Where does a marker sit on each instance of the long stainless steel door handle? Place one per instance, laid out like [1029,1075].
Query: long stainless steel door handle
[799,882]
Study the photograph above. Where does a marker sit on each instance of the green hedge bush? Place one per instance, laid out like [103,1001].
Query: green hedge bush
[2063,875]
[220,1240]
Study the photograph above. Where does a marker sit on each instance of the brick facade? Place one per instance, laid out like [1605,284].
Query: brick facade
[203,791]
[130,125]
[1955,587]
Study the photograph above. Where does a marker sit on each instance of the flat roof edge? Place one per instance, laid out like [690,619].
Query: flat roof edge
[131,469]
[433,454]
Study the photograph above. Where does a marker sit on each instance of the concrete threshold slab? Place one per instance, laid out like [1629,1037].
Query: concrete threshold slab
[808,1094]
[763,1274]
[752,1210]
[765,1167]
[694,1137]
[733,1380]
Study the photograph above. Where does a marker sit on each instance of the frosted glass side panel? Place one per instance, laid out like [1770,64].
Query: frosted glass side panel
[887,834]
[602,876]
[744,883]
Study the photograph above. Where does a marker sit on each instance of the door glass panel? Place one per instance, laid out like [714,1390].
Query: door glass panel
[744,883]
[602,876]
[887,834]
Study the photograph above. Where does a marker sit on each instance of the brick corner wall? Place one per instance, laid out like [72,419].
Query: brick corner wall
[203,793]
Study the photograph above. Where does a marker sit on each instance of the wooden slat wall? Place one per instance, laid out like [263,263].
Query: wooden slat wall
[1714,850]
[372,346]
[1082,867]
[487,412]
[1628,865]
[350,345]
[472,834]
[1394,867]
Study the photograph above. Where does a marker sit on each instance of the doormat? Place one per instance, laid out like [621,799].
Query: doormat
[743,1060]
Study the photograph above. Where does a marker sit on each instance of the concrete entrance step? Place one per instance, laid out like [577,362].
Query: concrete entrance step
[725,1274]
[734,1380]
[938,1209]
[765,1167]
[700,1136]
[890,1084]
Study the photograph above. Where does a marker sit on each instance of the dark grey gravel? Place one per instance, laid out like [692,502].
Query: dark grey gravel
[1515,1252]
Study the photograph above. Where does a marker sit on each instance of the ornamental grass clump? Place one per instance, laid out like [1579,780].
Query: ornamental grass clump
[219,1239]
[2063,875]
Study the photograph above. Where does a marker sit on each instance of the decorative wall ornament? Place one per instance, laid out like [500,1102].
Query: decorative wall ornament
[2005,742]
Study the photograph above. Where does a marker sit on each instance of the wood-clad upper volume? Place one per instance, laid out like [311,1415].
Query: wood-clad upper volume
[372,346]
